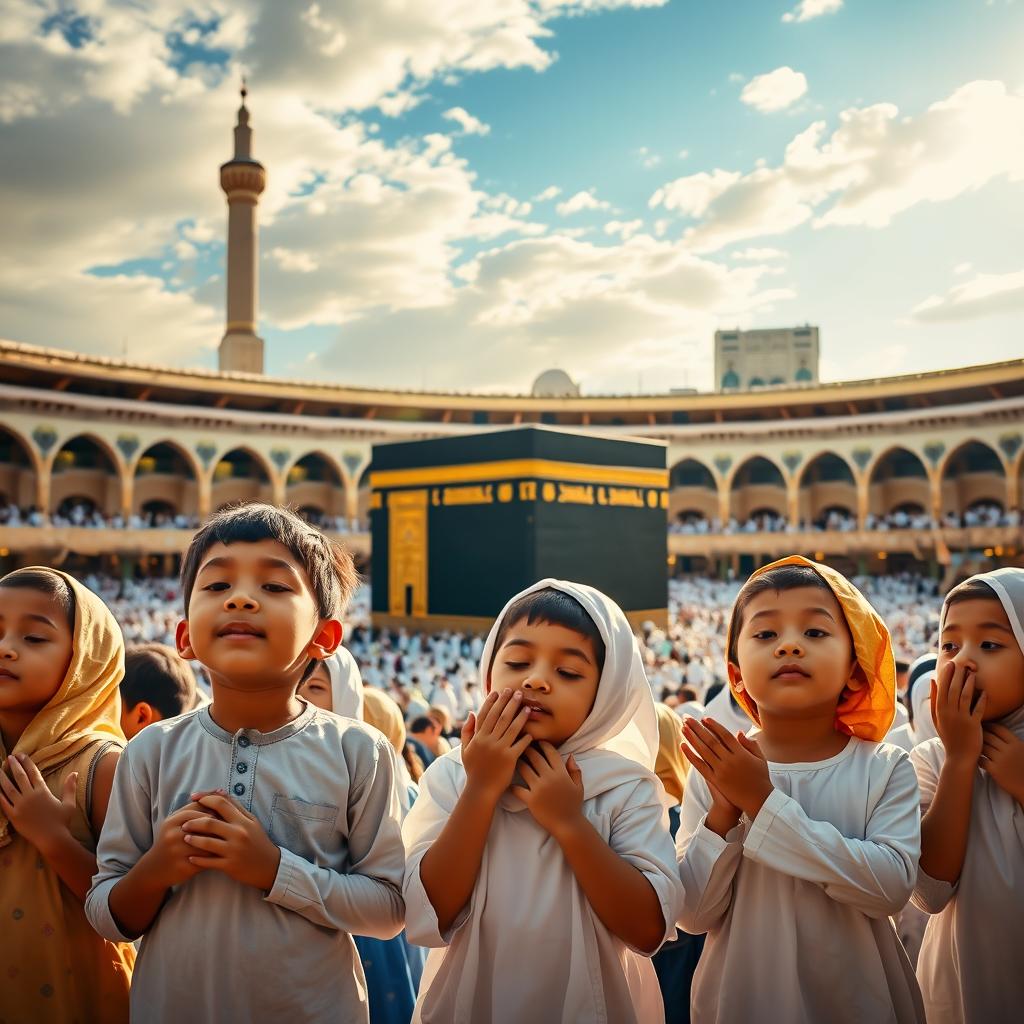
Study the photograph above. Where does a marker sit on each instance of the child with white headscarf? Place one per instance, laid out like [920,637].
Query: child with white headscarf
[971,777]
[538,866]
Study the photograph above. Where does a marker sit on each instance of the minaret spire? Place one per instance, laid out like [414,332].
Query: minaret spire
[243,179]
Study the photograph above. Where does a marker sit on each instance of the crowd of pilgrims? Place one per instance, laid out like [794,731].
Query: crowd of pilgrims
[801,800]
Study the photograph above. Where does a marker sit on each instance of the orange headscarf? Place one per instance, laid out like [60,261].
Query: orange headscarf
[868,712]
[87,706]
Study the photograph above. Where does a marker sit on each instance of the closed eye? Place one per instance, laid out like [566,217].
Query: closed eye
[219,585]
[516,664]
[36,639]
[569,675]
[277,588]
[991,645]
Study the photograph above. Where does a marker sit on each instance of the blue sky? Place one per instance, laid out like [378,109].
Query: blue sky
[861,169]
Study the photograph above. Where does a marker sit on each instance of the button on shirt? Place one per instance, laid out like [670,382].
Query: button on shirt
[323,789]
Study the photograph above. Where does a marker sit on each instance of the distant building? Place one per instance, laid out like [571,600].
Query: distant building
[763,358]
[555,384]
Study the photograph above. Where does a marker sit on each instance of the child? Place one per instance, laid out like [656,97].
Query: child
[61,658]
[795,848]
[157,685]
[972,792]
[246,895]
[539,868]
[336,685]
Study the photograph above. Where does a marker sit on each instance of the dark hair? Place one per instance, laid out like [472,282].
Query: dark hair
[329,567]
[902,665]
[785,577]
[712,692]
[970,590]
[422,723]
[45,582]
[687,693]
[557,608]
[155,674]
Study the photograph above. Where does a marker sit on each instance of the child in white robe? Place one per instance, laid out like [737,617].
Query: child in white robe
[799,842]
[972,791]
[539,868]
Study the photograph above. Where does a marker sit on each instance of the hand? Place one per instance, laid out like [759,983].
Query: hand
[732,764]
[168,857]
[36,814]
[554,791]
[1002,756]
[956,722]
[492,744]
[228,838]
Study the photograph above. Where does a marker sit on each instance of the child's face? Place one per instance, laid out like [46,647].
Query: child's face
[795,652]
[317,688]
[977,634]
[35,649]
[556,669]
[253,619]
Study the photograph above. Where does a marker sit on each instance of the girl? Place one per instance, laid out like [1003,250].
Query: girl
[539,868]
[972,792]
[61,660]
[797,846]
[336,685]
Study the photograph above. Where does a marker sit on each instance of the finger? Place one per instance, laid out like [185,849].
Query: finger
[6,806]
[522,792]
[226,808]
[516,727]
[34,775]
[702,741]
[722,734]
[8,788]
[527,773]
[752,745]
[978,714]
[194,797]
[209,862]
[522,744]
[208,844]
[966,694]
[512,708]
[942,681]
[209,826]
[574,770]
[21,780]
[535,759]
[492,708]
[698,763]
[1001,731]
[933,703]
[67,793]
[468,729]
[993,739]
[550,754]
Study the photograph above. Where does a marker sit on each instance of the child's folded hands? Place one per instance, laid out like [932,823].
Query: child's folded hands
[553,790]
[224,836]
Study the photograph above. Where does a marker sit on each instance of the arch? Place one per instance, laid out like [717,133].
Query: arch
[158,511]
[20,469]
[363,495]
[691,472]
[757,483]
[240,474]
[692,488]
[86,466]
[825,484]
[973,474]
[165,475]
[897,477]
[316,482]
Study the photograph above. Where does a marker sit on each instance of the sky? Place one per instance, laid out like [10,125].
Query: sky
[464,193]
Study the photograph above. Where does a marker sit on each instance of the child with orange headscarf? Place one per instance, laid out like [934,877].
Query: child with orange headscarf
[799,841]
[61,660]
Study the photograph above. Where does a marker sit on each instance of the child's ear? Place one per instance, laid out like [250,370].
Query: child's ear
[857,679]
[182,641]
[735,678]
[326,640]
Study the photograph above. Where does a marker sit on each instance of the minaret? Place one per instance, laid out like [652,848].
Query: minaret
[243,179]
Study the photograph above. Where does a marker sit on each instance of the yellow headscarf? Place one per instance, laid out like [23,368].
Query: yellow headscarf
[670,766]
[867,713]
[383,713]
[87,706]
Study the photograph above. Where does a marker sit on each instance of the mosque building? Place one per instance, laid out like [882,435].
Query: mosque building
[117,461]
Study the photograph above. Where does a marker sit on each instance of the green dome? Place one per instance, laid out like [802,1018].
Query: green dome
[730,379]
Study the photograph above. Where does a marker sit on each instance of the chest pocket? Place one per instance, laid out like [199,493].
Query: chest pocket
[305,828]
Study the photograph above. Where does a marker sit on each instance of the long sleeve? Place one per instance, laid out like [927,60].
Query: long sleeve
[366,900]
[127,835]
[436,801]
[707,863]
[931,895]
[639,837]
[874,874]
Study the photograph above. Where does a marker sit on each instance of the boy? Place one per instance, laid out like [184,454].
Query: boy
[246,894]
[157,685]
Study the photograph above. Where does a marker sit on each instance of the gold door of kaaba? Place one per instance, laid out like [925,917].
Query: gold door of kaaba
[407,562]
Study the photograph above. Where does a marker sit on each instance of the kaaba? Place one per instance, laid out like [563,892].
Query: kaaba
[461,524]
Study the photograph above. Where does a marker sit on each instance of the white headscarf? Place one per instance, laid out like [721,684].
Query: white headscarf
[346,684]
[920,677]
[623,721]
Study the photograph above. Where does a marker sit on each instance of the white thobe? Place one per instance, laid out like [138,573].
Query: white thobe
[797,902]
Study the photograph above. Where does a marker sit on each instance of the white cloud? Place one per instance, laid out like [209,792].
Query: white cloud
[647,158]
[760,255]
[551,192]
[469,124]
[808,9]
[625,229]
[774,90]
[983,295]
[874,166]
[580,202]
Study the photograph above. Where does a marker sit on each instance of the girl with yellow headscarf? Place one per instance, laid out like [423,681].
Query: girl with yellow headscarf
[801,839]
[61,660]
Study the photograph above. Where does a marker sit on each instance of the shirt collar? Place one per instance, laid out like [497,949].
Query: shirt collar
[254,736]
